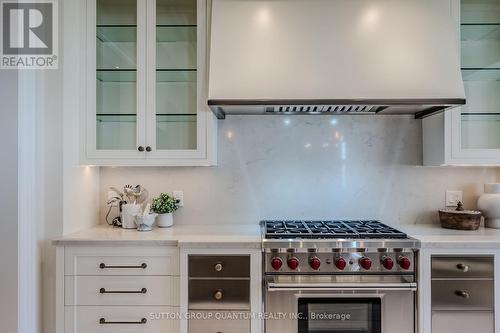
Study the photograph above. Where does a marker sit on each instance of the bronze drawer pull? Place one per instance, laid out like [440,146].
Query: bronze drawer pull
[464,268]
[104,291]
[218,295]
[462,293]
[103,321]
[103,266]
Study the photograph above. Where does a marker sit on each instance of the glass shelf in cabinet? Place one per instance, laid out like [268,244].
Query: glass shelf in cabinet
[176,76]
[116,75]
[116,118]
[477,32]
[481,74]
[116,34]
[176,33]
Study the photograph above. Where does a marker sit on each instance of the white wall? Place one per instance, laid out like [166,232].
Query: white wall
[310,167]
[8,201]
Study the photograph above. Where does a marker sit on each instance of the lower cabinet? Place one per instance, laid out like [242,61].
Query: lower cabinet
[463,322]
[118,290]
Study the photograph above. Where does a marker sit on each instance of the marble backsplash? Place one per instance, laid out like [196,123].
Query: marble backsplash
[318,167]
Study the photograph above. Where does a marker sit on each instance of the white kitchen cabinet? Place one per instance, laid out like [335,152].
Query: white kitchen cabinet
[117,289]
[470,135]
[146,84]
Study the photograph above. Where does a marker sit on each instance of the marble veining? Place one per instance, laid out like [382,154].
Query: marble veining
[319,167]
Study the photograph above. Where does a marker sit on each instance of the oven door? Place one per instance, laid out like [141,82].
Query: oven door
[340,304]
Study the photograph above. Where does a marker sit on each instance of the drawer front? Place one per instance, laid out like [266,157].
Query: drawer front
[122,290]
[217,322]
[219,266]
[124,319]
[462,322]
[103,261]
[207,294]
[462,295]
[463,267]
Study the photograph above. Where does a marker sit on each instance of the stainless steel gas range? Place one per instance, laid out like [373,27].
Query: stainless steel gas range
[338,276]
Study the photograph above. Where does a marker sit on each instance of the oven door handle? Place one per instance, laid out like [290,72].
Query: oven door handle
[404,286]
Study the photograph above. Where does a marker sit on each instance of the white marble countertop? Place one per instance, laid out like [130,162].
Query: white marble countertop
[433,236]
[248,236]
[221,236]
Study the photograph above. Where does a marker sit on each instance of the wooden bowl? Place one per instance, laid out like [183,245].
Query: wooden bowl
[460,219]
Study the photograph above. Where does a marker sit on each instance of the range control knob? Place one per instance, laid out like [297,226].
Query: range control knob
[404,262]
[340,263]
[276,263]
[293,263]
[315,263]
[365,262]
[388,263]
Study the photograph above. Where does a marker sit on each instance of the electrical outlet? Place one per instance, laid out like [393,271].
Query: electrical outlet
[179,195]
[453,197]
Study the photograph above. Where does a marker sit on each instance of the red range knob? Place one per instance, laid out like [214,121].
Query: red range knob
[340,263]
[388,263]
[293,263]
[276,263]
[365,262]
[404,262]
[315,263]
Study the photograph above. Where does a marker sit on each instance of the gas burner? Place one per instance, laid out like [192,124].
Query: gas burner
[340,229]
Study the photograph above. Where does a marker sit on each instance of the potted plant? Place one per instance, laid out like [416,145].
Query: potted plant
[164,205]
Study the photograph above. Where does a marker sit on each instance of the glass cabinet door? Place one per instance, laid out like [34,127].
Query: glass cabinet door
[175,66]
[116,63]
[480,51]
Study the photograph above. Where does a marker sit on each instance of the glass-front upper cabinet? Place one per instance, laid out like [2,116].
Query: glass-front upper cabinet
[480,58]
[146,99]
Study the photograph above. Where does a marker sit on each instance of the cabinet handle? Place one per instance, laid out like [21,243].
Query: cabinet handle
[218,267]
[148,149]
[140,148]
[103,266]
[103,321]
[462,293]
[218,295]
[464,268]
[104,291]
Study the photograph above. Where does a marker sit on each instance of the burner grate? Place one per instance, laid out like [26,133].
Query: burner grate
[330,229]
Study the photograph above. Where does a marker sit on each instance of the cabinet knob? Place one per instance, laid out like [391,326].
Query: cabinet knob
[218,267]
[148,148]
[464,268]
[140,148]
[462,293]
[218,295]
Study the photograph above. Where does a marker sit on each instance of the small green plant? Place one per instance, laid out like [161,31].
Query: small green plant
[165,204]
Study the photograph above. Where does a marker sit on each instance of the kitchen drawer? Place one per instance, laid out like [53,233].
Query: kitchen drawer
[86,319]
[219,266]
[122,290]
[463,322]
[218,322]
[234,294]
[462,295]
[121,261]
[462,267]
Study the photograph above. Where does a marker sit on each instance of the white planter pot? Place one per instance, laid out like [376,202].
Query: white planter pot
[165,220]
[489,204]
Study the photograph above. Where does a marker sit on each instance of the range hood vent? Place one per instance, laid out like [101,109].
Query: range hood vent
[333,57]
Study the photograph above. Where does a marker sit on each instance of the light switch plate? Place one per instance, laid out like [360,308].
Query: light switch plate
[453,197]
[179,195]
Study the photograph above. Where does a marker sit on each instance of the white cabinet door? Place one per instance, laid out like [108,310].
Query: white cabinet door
[146,84]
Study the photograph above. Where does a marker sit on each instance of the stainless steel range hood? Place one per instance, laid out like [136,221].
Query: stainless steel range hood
[334,57]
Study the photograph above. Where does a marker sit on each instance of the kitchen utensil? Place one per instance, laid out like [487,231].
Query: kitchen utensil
[459,218]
